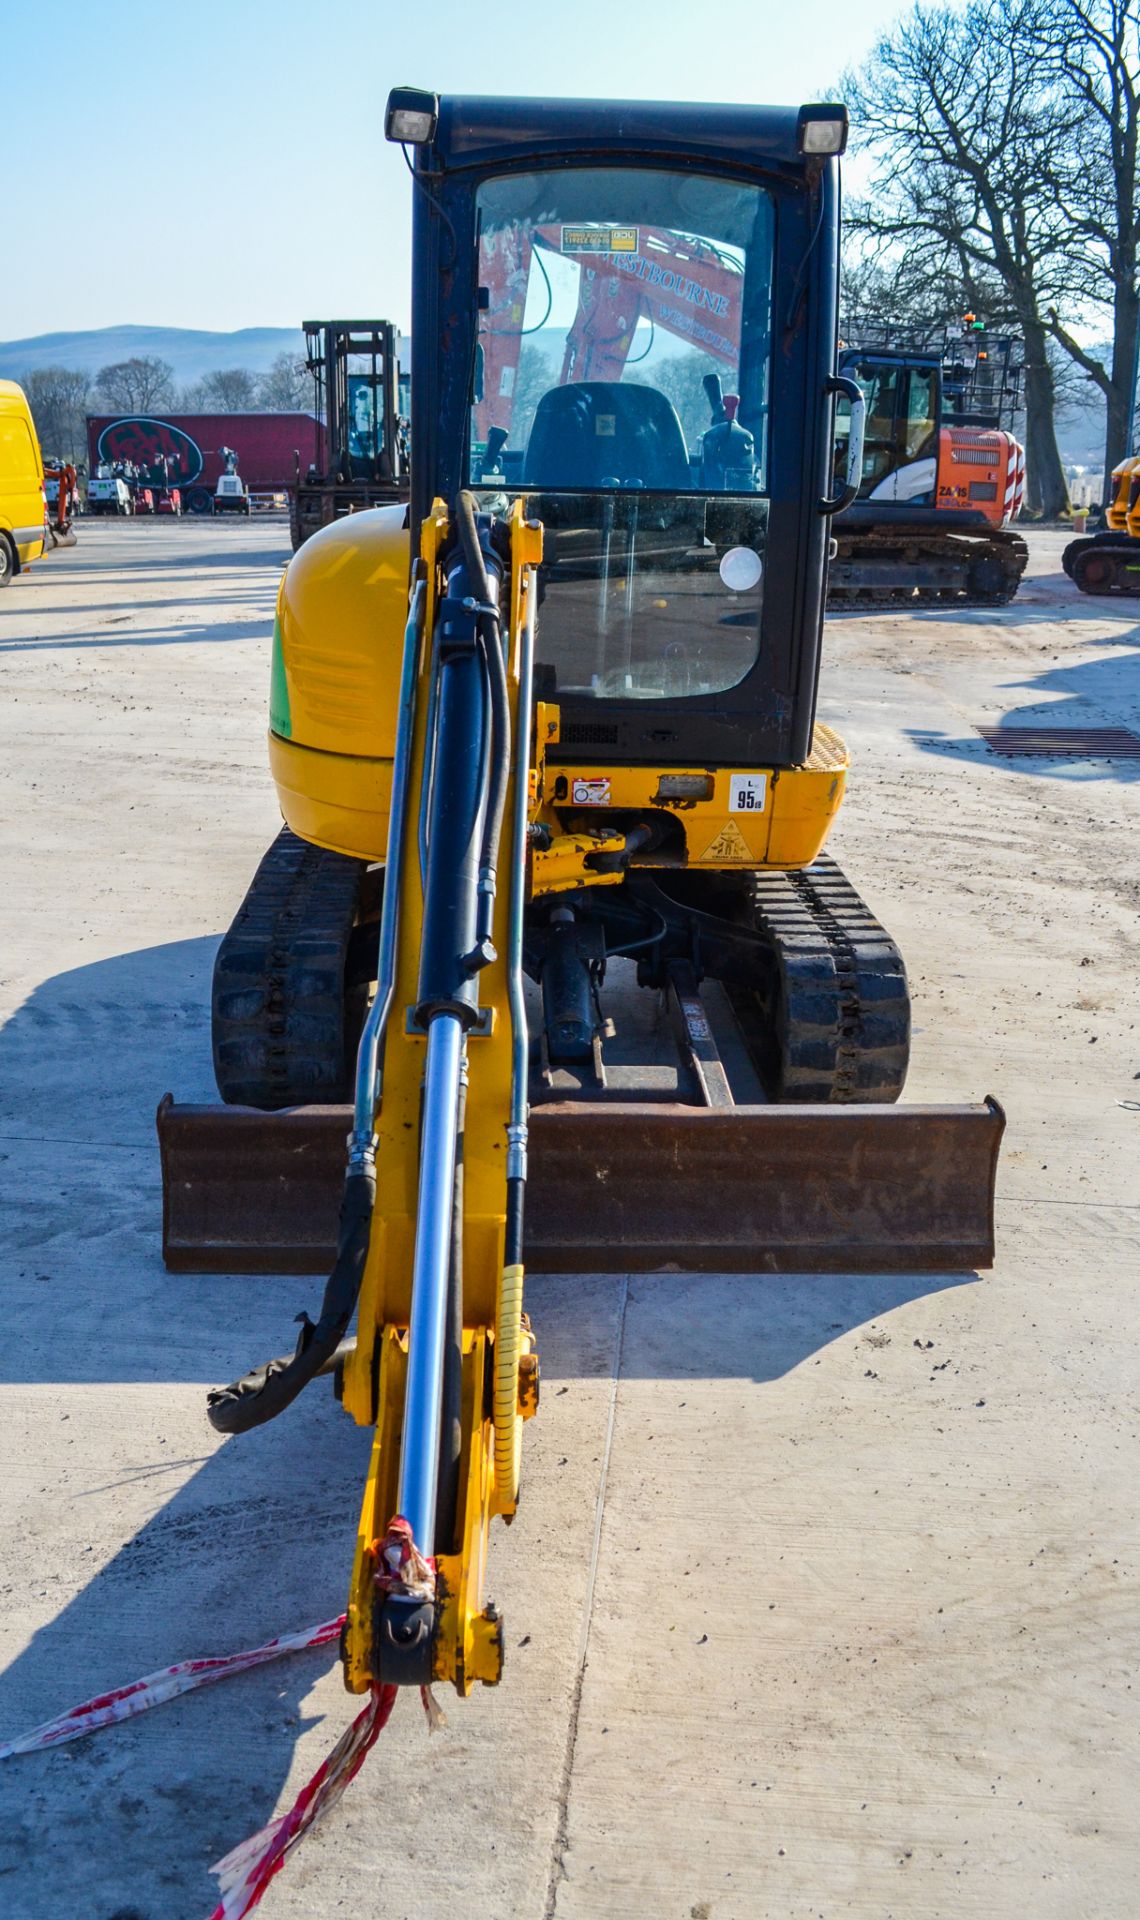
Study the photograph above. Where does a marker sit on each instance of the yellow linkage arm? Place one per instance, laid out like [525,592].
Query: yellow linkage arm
[499,1375]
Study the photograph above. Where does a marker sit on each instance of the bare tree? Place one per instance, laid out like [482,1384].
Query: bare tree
[1093,49]
[136,385]
[58,398]
[286,387]
[972,143]
[228,390]
[884,288]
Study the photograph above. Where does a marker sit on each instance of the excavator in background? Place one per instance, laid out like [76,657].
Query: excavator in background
[61,497]
[1109,562]
[547,749]
[360,395]
[943,474]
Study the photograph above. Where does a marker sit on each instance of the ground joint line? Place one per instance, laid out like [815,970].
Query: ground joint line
[561,1841]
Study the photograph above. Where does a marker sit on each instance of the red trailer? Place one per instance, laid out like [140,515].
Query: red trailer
[268,446]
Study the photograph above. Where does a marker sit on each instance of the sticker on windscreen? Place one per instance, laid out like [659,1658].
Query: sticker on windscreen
[599,239]
[746,792]
[590,793]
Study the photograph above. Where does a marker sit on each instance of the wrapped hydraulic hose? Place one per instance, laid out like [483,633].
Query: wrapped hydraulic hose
[266,1391]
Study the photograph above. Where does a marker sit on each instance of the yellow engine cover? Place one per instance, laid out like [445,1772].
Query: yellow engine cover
[1123,476]
[337,651]
[338,642]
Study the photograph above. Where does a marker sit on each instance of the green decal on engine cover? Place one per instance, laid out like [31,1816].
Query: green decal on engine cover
[280,717]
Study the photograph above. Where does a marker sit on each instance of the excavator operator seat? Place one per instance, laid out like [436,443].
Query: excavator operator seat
[599,433]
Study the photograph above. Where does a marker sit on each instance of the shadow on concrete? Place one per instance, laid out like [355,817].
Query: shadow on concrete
[1044,598]
[192,634]
[239,545]
[1088,693]
[257,1539]
[83,1064]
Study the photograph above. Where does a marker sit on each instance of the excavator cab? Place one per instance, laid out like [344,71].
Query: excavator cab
[900,444]
[613,289]
[550,938]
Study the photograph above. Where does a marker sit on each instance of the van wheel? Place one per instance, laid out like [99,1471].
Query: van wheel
[7,560]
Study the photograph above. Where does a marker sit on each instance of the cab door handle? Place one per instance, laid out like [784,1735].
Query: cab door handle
[848,390]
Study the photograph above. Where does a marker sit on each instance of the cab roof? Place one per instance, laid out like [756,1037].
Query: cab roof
[477,128]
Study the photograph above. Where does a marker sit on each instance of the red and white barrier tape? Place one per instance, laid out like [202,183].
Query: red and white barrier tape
[153,1691]
[246,1871]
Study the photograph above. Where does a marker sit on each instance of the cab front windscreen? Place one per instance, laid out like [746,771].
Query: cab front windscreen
[624,332]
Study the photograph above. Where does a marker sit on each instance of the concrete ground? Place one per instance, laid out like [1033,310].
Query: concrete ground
[822,1600]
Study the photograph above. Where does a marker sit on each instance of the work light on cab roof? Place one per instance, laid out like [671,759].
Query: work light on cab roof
[412,116]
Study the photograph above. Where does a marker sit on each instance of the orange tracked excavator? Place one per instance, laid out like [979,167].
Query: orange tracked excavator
[943,478]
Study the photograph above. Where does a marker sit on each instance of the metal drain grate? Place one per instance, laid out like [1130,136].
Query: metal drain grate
[1077,743]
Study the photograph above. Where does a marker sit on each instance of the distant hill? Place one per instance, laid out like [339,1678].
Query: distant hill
[191,353]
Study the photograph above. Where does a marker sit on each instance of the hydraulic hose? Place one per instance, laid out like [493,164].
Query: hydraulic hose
[520,1039]
[509,1293]
[499,769]
[266,1391]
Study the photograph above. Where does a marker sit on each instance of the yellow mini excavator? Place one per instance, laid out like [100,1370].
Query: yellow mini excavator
[1108,562]
[543,739]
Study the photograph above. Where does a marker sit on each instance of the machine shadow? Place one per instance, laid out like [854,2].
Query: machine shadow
[257,1541]
[258,1537]
[1036,604]
[192,634]
[1092,693]
[85,557]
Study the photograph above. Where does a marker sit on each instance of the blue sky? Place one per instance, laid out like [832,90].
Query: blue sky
[224,163]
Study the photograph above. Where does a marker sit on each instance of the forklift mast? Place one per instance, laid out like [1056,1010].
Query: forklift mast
[356,392]
[361,399]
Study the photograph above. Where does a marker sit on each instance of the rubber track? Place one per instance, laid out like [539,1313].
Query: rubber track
[1121,579]
[1009,548]
[279,1002]
[838,1026]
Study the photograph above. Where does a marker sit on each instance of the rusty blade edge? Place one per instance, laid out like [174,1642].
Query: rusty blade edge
[792,1189]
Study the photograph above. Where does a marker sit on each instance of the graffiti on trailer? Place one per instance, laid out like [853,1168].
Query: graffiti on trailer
[146,441]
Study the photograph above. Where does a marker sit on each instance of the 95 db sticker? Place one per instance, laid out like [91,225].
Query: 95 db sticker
[590,793]
[746,792]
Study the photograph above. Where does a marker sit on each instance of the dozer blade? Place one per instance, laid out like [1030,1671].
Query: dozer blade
[621,1188]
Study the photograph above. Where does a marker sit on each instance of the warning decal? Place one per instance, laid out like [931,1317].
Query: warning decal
[599,239]
[746,792]
[729,845]
[590,793]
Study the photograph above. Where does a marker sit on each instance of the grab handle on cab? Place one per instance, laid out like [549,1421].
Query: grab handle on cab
[848,390]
